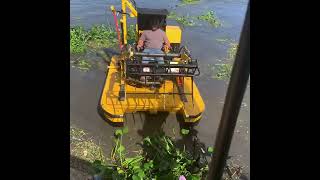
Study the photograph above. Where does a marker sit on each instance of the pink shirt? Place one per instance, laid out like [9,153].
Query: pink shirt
[154,39]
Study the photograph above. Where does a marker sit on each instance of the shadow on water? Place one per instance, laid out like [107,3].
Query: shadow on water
[192,144]
[102,113]
[81,165]
[153,124]
[108,53]
[244,177]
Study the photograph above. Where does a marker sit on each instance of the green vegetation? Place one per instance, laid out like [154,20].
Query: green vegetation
[81,64]
[232,51]
[78,39]
[224,40]
[185,2]
[160,160]
[84,147]
[172,15]
[99,36]
[211,18]
[102,36]
[185,131]
[210,149]
[185,20]
[222,71]
[132,35]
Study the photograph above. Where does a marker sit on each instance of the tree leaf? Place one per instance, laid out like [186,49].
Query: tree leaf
[193,177]
[210,149]
[148,165]
[147,139]
[125,130]
[121,148]
[120,171]
[136,167]
[118,132]
[135,177]
[185,131]
[141,174]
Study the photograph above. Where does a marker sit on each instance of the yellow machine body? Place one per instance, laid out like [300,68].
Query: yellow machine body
[141,98]
[174,34]
[149,100]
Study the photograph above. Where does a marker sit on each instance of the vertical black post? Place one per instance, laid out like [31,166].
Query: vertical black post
[238,83]
[122,35]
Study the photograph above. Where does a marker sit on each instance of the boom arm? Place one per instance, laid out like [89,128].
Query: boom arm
[134,13]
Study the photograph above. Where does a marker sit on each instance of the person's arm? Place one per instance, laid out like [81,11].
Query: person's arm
[141,41]
[166,40]
[167,45]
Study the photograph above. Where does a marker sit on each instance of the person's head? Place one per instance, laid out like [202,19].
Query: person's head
[155,24]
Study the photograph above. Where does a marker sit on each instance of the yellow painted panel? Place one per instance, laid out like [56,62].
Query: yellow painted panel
[174,34]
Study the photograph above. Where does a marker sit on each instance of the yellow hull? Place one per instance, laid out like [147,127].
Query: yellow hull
[148,100]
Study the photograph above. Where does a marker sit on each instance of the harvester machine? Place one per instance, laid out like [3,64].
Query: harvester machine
[132,85]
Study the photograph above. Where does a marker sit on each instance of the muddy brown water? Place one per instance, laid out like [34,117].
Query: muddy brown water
[85,87]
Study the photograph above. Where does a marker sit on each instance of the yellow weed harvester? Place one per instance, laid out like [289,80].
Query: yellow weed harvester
[133,86]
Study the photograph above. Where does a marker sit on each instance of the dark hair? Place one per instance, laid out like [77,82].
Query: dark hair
[155,23]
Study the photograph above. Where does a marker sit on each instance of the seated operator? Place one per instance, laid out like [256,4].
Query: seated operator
[152,41]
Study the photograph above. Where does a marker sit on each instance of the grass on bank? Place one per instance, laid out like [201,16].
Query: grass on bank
[84,147]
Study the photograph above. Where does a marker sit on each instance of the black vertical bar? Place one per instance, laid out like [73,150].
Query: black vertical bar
[145,82]
[164,86]
[173,81]
[182,85]
[122,39]
[238,83]
[164,95]
[192,90]
[155,72]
